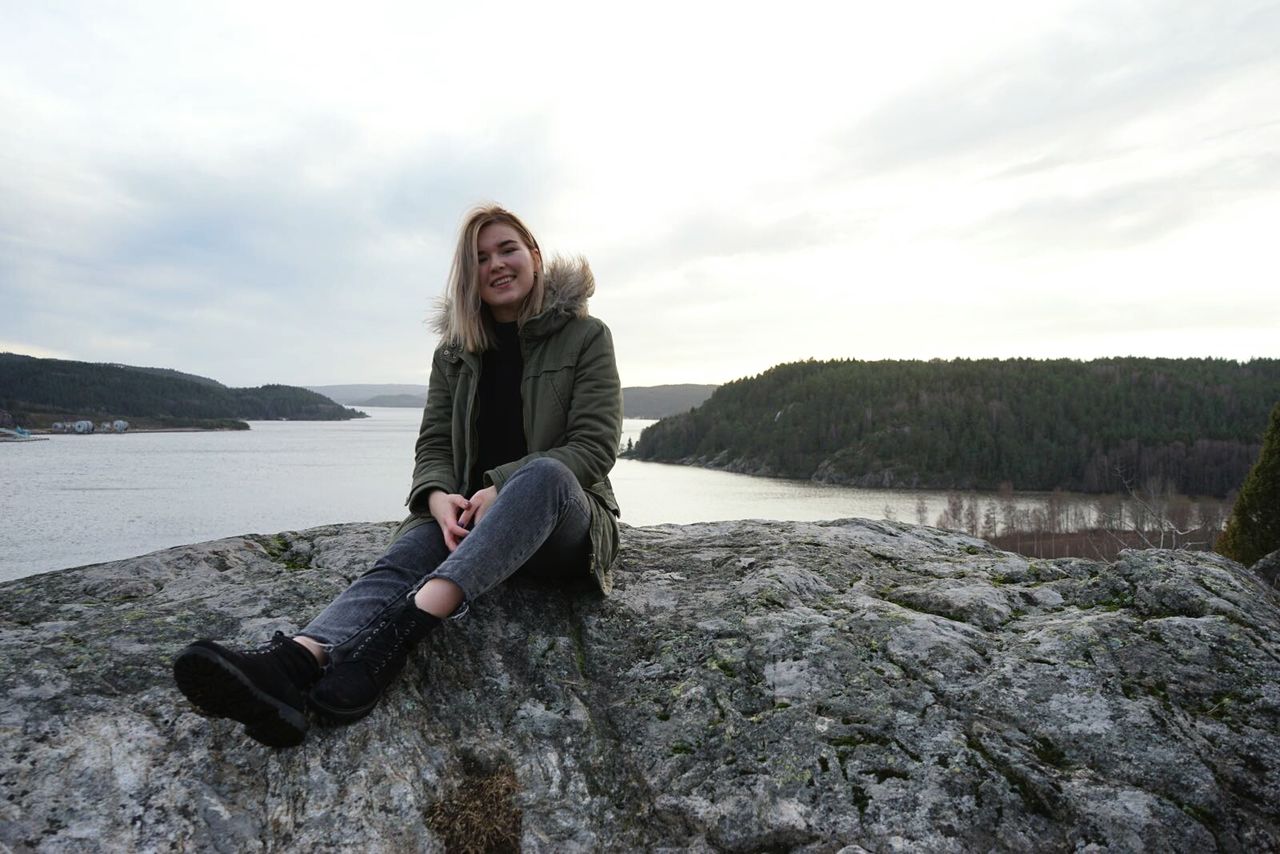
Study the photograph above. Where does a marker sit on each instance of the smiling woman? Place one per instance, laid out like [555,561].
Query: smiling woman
[520,431]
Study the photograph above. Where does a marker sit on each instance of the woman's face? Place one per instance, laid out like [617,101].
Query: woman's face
[506,270]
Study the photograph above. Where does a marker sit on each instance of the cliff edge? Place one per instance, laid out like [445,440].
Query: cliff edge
[820,687]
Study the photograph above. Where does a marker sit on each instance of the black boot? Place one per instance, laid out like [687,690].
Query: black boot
[264,689]
[351,687]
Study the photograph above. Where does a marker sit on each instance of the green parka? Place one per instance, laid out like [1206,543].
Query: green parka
[572,402]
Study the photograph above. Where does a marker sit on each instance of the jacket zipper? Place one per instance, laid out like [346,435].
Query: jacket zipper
[525,408]
[468,463]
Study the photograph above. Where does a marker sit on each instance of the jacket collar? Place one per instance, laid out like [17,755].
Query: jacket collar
[568,284]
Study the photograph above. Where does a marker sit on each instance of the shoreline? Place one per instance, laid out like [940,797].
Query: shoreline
[46,433]
[750,468]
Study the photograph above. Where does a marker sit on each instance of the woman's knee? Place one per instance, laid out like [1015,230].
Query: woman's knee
[545,470]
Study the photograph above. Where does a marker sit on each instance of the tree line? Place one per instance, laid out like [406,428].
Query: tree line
[1106,425]
[37,391]
[1060,525]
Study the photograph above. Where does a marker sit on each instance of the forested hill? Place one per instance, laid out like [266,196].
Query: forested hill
[40,391]
[1090,426]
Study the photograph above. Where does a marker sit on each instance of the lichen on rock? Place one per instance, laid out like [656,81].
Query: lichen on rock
[818,687]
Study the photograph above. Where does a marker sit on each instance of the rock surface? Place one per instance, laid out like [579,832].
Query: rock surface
[1268,569]
[831,687]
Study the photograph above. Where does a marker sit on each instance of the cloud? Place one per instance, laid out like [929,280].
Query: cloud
[715,233]
[207,258]
[1127,213]
[1067,92]
[269,193]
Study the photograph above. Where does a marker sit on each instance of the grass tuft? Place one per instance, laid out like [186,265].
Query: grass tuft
[480,815]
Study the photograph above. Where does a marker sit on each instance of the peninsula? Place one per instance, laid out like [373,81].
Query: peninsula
[1100,426]
[39,392]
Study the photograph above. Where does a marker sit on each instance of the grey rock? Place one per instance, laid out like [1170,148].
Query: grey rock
[1268,568]
[814,687]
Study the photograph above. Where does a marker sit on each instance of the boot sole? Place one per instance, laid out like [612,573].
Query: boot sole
[327,715]
[220,689]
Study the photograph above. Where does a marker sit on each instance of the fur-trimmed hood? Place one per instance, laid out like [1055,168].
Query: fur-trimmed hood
[567,286]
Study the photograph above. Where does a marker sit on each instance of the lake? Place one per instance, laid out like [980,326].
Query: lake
[74,500]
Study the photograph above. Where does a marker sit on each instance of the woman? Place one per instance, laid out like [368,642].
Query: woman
[521,428]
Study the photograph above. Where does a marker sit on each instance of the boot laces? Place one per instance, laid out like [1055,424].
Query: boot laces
[385,642]
[270,647]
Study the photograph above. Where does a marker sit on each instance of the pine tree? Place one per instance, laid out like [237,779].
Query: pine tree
[1253,531]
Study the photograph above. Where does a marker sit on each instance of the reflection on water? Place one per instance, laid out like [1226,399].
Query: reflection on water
[83,499]
[653,493]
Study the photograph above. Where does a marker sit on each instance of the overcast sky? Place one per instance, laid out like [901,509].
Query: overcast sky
[269,192]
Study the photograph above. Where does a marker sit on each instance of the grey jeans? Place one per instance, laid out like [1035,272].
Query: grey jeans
[539,526]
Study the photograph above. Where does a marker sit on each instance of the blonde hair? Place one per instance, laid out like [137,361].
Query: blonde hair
[465,322]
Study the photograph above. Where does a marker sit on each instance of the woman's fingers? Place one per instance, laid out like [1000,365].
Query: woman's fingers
[458,524]
[453,538]
[450,512]
[453,534]
[482,501]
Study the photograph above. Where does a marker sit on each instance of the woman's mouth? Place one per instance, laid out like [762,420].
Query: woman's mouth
[505,280]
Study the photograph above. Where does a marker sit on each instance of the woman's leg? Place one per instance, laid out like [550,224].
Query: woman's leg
[266,689]
[384,585]
[541,517]
[541,511]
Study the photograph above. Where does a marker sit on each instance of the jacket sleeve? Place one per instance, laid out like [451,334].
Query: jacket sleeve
[433,453]
[594,422]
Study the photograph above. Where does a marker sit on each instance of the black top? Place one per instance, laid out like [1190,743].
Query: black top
[499,409]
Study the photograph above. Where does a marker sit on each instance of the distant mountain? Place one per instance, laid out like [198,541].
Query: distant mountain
[659,401]
[656,401]
[415,401]
[41,391]
[359,394]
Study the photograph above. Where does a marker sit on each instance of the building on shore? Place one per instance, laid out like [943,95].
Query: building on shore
[85,426]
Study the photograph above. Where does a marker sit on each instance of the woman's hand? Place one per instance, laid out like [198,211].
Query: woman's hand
[450,512]
[478,506]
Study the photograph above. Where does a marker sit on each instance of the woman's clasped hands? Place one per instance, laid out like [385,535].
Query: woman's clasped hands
[457,515]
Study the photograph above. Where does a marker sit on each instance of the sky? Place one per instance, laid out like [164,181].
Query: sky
[270,192]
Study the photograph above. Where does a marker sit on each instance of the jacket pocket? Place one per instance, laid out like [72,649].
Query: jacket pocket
[555,382]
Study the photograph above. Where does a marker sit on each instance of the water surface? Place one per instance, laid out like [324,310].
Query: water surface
[74,500]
